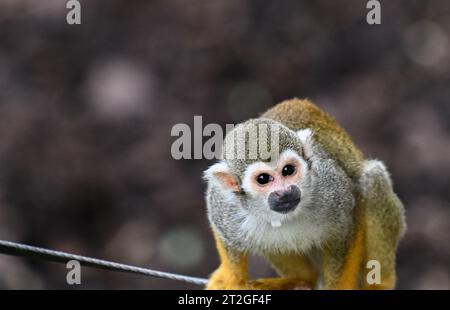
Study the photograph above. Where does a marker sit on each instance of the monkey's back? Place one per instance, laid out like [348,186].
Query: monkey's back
[300,114]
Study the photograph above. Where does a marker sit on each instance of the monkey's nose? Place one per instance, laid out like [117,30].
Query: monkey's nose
[285,201]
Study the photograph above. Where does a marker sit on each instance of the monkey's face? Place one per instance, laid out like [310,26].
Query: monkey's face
[274,190]
[271,189]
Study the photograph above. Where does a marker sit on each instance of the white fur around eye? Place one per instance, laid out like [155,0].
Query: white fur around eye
[250,173]
[289,155]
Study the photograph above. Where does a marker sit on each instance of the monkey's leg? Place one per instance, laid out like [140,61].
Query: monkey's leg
[385,223]
[232,273]
[295,270]
[296,274]
[342,261]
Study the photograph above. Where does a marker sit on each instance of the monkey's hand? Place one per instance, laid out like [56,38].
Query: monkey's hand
[224,279]
[279,284]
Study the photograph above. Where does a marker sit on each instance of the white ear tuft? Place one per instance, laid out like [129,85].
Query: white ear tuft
[305,135]
[219,167]
[221,174]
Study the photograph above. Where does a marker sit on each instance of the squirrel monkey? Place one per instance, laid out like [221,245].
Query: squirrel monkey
[313,206]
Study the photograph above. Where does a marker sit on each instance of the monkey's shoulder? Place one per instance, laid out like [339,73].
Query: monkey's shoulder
[298,114]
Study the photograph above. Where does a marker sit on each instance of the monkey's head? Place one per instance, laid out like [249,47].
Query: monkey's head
[265,169]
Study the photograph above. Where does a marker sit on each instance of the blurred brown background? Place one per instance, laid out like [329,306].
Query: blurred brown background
[86,113]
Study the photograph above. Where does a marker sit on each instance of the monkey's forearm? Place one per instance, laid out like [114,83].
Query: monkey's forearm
[233,270]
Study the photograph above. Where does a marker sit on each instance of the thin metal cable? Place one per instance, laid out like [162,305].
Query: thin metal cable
[23,250]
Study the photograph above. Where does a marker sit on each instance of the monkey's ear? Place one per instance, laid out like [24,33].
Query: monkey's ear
[305,135]
[306,138]
[221,174]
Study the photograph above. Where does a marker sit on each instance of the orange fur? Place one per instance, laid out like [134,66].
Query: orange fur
[233,270]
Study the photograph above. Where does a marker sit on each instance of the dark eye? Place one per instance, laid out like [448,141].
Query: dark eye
[264,178]
[288,170]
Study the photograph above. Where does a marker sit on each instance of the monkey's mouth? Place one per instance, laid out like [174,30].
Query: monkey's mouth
[285,206]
